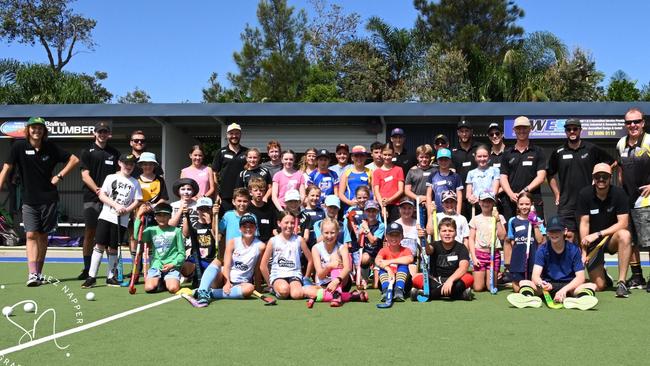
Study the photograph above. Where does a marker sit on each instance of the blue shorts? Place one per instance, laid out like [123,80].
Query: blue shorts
[204,262]
[173,274]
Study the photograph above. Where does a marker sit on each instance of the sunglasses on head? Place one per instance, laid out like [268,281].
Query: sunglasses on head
[634,121]
[138,141]
[602,176]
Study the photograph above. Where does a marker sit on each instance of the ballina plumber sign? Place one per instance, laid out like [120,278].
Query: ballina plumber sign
[69,128]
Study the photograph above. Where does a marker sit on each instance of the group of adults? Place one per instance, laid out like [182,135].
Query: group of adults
[579,175]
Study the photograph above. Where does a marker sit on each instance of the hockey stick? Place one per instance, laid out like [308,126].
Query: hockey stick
[135,274]
[196,255]
[424,263]
[193,301]
[389,296]
[530,229]
[120,265]
[592,253]
[493,288]
[266,299]
[550,302]
[359,278]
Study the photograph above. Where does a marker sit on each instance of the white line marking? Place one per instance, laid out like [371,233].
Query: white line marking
[81,328]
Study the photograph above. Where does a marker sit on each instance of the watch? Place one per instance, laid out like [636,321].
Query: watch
[526,189]
[59,176]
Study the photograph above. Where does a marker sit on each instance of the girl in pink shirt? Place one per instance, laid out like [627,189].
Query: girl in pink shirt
[287,179]
[201,173]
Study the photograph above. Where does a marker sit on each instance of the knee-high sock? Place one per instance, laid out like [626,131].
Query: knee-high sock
[209,275]
[385,279]
[112,265]
[96,259]
[401,276]
[87,260]
[235,293]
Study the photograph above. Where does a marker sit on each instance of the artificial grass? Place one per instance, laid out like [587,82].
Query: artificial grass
[484,331]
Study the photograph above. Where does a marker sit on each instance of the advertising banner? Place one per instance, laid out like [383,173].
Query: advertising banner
[68,128]
[553,127]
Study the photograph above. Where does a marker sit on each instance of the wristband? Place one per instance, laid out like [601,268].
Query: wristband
[59,176]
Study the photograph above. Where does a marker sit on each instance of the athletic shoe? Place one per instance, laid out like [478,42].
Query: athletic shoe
[621,290]
[310,303]
[414,294]
[203,297]
[83,276]
[609,281]
[42,279]
[522,301]
[383,296]
[399,295]
[468,295]
[89,282]
[192,301]
[336,300]
[635,282]
[583,303]
[113,282]
[33,280]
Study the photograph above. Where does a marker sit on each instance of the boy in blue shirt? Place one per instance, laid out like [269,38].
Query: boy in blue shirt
[443,180]
[323,177]
[560,271]
[229,223]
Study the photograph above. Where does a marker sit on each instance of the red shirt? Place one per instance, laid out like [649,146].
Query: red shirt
[386,253]
[388,180]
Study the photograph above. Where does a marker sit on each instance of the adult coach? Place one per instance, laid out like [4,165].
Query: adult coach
[569,170]
[138,143]
[402,158]
[604,211]
[228,162]
[634,159]
[36,157]
[523,169]
[97,161]
[463,158]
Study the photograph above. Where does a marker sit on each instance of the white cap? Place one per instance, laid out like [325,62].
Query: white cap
[292,195]
[233,126]
[332,200]
[204,202]
[522,121]
[147,157]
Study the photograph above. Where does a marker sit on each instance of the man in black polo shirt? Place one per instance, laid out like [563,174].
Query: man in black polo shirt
[495,135]
[227,164]
[36,158]
[138,145]
[603,211]
[569,170]
[97,161]
[403,158]
[523,169]
[463,158]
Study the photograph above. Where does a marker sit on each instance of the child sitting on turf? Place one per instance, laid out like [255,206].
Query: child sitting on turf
[229,224]
[517,239]
[303,220]
[481,237]
[412,230]
[168,251]
[560,271]
[449,204]
[240,263]
[205,230]
[448,265]
[332,265]
[393,261]
[284,251]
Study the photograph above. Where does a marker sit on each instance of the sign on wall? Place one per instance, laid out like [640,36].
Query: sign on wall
[68,128]
[553,127]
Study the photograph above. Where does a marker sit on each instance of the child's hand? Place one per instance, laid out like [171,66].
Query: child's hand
[476,261]
[560,296]
[421,232]
[215,209]
[227,287]
[167,267]
[446,288]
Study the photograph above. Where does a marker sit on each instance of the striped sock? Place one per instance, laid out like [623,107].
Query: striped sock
[401,276]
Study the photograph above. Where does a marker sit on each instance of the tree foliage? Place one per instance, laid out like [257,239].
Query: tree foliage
[137,96]
[621,88]
[329,29]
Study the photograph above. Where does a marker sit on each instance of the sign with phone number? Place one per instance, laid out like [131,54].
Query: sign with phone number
[553,127]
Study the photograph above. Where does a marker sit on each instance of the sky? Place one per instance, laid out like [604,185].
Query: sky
[169,48]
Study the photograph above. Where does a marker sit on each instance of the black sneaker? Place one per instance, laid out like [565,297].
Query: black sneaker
[89,282]
[609,281]
[635,282]
[83,275]
[399,295]
[621,290]
[113,282]
[468,295]
[414,294]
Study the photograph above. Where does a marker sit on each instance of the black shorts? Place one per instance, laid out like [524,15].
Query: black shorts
[107,234]
[556,286]
[91,213]
[288,279]
[40,218]
[599,258]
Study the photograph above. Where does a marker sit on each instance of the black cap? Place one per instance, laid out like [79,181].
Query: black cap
[555,223]
[163,207]
[494,125]
[441,137]
[462,124]
[248,218]
[128,158]
[573,122]
[323,152]
[394,228]
[103,125]
[186,181]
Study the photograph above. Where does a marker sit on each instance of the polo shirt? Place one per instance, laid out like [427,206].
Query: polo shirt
[559,267]
[324,181]
[440,183]
[99,163]
[464,160]
[602,214]
[227,164]
[495,159]
[635,164]
[405,160]
[246,175]
[573,168]
[522,167]
[36,170]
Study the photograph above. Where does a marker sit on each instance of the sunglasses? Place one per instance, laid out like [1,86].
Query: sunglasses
[634,121]
[138,141]
[494,134]
[572,129]
[439,143]
[603,177]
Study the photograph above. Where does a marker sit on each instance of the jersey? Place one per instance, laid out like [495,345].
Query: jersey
[325,181]
[444,262]
[244,260]
[285,258]
[153,190]
[246,175]
[386,253]
[227,164]
[167,245]
[355,180]
[518,233]
[287,182]
[482,180]
[207,244]
[559,267]
[441,182]
[229,224]
[266,219]
[325,259]
[124,191]
[315,215]
[388,181]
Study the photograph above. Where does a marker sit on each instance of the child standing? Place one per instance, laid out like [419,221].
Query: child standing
[449,203]
[393,261]
[201,173]
[388,183]
[229,224]
[287,179]
[418,176]
[484,178]
[481,237]
[264,211]
[354,177]
[253,169]
[121,194]
[322,177]
[444,180]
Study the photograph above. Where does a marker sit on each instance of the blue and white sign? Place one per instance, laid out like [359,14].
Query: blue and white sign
[553,127]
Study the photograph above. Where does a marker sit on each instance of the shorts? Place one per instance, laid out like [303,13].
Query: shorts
[172,274]
[569,220]
[599,258]
[484,259]
[205,262]
[556,286]
[40,218]
[91,213]
[107,234]
[288,279]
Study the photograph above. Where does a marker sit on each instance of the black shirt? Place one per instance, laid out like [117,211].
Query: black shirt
[602,214]
[265,219]
[99,163]
[464,160]
[227,164]
[36,170]
[404,160]
[635,165]
[246,175]
[495,159]
[522,167]
[444,262]
[207,244]
[574,168]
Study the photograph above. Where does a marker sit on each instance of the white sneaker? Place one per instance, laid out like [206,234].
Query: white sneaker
[583,303]
[522,301]
[33,280]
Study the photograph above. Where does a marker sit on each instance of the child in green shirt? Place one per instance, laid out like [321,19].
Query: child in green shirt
[168,251]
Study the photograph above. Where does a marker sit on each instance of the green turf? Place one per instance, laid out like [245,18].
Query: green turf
[484,331]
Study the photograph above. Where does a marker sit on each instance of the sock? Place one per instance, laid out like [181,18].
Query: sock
[235,293]
[585,292]
[33,267]
[112,266]
[401,276]
[467,279]
[209,275]
[96,259]
[527,291]
[384,279]
[636,269]
[507,267]
[87,260]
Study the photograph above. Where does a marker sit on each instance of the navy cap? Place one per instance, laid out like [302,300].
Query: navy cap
[462,124]
[323,152]
[248,218]
[394,228]
[162,207]
[397,131]
[555,223]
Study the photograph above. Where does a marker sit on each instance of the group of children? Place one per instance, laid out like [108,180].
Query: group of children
[304,243]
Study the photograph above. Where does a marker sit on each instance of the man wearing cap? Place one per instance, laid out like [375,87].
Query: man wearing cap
[569,170]
[604,211]
[138,145]
[342,153]
[403,158]
[495,135]
[523,169]
[228,162]
[634,159]
[36,158]
[322,177]
[97,162]
[462,157]
[439,142]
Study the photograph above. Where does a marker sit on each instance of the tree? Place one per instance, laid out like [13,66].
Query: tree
[329,30]
[575,79]
[645,93]
[441,76]
[137,96]
[51,23]
[321,86]
[363,73]
[621,88]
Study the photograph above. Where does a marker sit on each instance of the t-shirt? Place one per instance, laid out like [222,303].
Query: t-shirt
[404,160]
[418,178]
[99,163]
[288,182]
[340,169]
[124,191]
[522,167]
[325,181]
[482,180]
[266,219]
[206,241]
[168,247]
[441,182]
[35,169]
[602,214]
[559,267]
[462,226]
[484,226]
[315,215]
[200,175]
[154,190]
[246,175]
[228,164]
[272,169]
[386,253]
[229,224]
[444,262]
[388,181]
[635,164]
[518,234]
[464,160]
[410,239]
